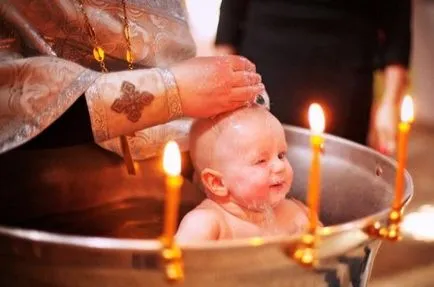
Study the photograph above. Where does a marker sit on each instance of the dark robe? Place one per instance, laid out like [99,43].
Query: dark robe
[324,51]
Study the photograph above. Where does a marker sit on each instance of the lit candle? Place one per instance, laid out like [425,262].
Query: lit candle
[317,125]
[172,168]
[407,116]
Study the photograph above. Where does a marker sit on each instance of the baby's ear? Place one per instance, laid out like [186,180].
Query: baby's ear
[213,182]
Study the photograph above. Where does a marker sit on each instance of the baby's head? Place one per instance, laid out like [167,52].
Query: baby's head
[241,156]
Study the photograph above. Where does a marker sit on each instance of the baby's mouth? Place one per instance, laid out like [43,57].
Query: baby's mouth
[277,184]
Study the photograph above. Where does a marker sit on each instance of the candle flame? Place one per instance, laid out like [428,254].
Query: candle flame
[172,159]
[316,118]
[407,110]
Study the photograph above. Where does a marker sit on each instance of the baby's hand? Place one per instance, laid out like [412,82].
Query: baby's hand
[198,225]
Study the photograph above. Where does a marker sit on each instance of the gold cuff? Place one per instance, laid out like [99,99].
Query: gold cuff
[97,113]
[172,94]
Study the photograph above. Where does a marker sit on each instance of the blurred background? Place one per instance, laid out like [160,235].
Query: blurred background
[402,264]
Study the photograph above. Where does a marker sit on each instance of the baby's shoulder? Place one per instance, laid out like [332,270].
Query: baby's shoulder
[297,209]
[199,224]
[295,206]
[203,214]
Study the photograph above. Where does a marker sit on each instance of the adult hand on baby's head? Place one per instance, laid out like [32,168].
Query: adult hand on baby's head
[212,85]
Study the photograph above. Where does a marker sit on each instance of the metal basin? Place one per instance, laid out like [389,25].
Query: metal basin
[74,217]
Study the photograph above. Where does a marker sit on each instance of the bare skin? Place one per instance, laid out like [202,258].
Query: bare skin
[241,157]
[386,115]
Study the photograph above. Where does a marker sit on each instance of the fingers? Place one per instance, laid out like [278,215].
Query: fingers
[386,141]
[224,50]
[242,78]
[240,96]
[391,143]
[381,142]
[241,64]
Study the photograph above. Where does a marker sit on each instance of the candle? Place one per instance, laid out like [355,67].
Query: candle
[317,125]
[407,116]
[172,168]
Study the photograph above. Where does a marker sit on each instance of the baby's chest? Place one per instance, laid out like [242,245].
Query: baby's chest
[292,221]
[287,221]
[236,228]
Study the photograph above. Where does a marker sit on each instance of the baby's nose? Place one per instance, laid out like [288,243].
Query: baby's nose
[278,165]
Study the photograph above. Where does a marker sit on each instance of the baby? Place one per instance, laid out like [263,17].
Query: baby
[240,158]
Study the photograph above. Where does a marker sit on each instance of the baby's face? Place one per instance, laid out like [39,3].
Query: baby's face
[253,163]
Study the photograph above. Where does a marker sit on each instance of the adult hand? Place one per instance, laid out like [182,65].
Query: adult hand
[211,85]
[384,128]
[227,49]
[383,135]
[224,49]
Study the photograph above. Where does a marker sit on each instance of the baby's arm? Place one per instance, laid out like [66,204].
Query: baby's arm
[198,225]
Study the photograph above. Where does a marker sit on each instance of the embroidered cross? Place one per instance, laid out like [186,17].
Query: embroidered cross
[131,101]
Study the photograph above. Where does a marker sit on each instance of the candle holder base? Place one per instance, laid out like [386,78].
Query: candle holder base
[41,245]
[305,253]
[172,261]
[391,231]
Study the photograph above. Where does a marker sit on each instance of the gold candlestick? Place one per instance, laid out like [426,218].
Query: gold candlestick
[171,253]
[392,230]
[317,124]
[305,252]
[407,117]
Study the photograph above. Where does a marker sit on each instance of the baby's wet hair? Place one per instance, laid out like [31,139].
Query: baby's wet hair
[205,132]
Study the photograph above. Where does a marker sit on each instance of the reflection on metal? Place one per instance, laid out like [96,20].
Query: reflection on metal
[305,252]
[171,253]
[172,260]
[73,217]
[256,241]
[391,231]
[419,224]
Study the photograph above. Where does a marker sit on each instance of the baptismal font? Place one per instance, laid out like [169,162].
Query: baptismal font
[123,242]
[305,251]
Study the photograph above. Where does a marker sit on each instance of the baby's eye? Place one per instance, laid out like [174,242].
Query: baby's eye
[260,161]
[282,155]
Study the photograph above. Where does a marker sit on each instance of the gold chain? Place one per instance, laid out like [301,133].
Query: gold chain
[99,55]
[98,51]
[128,55]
